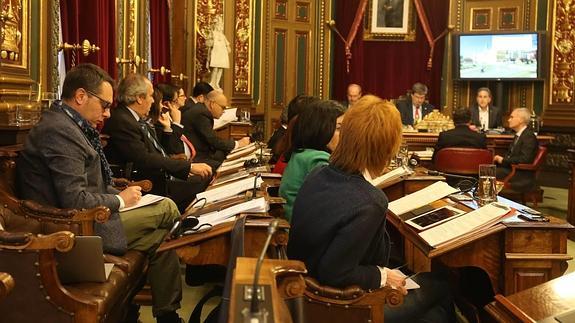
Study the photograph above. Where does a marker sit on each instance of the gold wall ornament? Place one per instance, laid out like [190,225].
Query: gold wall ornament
[179,77]
[86,47]
[11,30]
[206,13]
[562,55]
[243,48]
[162,70]
[134,62]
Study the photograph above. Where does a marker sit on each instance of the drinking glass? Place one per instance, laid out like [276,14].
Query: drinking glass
[486,187]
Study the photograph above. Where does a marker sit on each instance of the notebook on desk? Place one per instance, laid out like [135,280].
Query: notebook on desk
[84,263]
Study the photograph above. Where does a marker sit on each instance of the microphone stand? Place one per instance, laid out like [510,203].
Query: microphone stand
[254,304]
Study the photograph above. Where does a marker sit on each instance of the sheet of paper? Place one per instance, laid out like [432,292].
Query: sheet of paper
[145,200]
[396,173]
[432,193]
[108,268]
[256,205]
[251,146]
[240,153]
[231,189]
[228,116]
[237,161]
[484,216]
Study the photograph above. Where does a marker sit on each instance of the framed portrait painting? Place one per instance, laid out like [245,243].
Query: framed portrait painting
[392,20]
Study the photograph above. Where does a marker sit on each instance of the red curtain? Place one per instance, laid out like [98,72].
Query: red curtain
[387,69]
[160,38]
[95,21]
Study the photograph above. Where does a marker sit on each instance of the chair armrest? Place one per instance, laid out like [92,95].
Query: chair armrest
[123,183]
[117,261]
[350,292]
[352,295]
[530,167]
[14,238]
[6,285]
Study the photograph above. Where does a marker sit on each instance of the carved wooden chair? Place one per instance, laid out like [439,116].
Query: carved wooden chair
[108,302]
[350,304]
[535,194]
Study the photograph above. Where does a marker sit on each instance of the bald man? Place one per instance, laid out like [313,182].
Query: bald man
[354,92]
[198,122]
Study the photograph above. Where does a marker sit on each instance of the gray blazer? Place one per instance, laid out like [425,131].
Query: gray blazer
[59,167]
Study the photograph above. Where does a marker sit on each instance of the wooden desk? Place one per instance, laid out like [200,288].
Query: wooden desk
[213,247]
[499,143]
[235,130]
[541,303]
[516,254]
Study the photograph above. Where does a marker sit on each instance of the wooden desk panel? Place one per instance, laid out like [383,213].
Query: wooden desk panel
[235,130]
[213,247]
[516,254]
[538,303]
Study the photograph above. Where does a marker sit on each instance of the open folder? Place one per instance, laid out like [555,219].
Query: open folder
[432,193]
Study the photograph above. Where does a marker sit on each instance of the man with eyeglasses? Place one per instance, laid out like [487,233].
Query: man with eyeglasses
[198,122]
[133,140]
[63,165]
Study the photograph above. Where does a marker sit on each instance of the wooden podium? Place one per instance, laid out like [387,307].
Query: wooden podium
[271,295]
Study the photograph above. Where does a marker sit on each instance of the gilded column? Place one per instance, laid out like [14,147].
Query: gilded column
[562,53]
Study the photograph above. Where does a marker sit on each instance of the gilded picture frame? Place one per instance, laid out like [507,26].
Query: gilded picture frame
[390,20]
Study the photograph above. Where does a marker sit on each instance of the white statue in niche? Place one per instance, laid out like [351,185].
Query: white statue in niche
[218,52]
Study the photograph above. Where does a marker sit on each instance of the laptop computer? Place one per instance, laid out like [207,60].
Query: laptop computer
[84,263]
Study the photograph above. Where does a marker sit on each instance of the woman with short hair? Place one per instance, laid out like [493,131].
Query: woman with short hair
[338,224]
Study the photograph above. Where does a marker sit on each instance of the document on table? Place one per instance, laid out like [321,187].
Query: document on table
[241,160]
[145,200]
[258,205]
[231,189]
[432,193]
[228,116]
[391,175]
[483,217]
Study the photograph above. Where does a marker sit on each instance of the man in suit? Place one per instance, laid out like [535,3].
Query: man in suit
[199,93]
[63,165]
[461,135]
[414,108]
[485,116]
[198,122]
[354,93]
[133,140]
[522,151]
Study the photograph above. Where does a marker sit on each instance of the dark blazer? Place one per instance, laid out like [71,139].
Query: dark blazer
[405,107]
[460,136]
[59,167]
[199,128]
[128,143]
[171,141]
[522,152]
[495,117]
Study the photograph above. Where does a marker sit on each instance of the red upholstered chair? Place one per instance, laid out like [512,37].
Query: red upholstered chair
[461,161]
[536,194]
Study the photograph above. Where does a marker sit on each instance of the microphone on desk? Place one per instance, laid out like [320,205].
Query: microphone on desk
[254,305]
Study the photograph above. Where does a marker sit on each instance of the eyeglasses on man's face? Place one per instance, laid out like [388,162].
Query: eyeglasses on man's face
[104,103]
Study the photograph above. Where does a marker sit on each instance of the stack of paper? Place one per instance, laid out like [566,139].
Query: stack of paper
[228,116]
[231,189]
[208,220]
[432,193]
[145,200]
[389,176]
[481,218]
[228,163]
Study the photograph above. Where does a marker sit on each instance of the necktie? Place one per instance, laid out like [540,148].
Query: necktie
[148,134]
[515,139]
[416,117]
[188,143]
